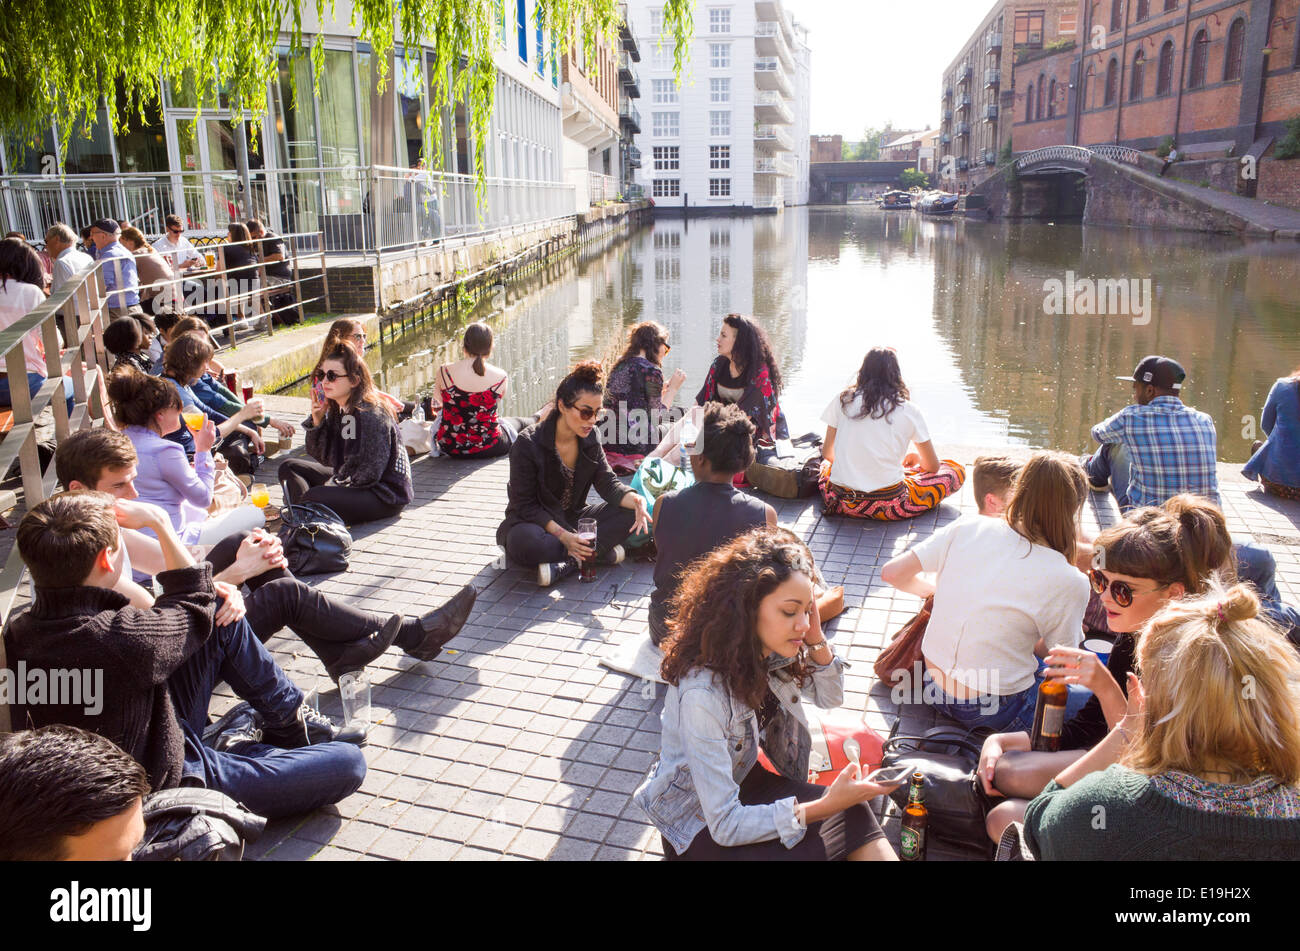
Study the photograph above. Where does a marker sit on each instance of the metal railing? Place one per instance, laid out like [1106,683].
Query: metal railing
[350,206]
[1121,153]
[82,308]
[1074,154]
[627,72]
[602,187]
[768,133]
[773,166]
[629,112]
[768,98]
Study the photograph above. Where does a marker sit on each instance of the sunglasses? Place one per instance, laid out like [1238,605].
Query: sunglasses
[330,375]
[1121,591]
[173,230]
[667,348]
[586,413]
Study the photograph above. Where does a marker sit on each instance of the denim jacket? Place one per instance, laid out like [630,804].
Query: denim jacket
[710,743]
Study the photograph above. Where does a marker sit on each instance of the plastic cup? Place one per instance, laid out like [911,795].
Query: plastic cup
[354,692]
[194,419]
[259,495]
[1099,646]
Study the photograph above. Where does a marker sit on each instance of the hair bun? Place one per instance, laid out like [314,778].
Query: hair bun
[588,372]
[1240,603]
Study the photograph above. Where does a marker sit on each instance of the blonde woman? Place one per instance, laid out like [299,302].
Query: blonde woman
[1206,761]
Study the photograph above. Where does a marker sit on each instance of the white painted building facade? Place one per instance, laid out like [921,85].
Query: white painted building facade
[726,139]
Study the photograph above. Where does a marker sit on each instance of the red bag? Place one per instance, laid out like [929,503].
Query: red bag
[829,729]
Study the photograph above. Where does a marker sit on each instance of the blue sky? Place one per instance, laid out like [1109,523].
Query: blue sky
[877,60]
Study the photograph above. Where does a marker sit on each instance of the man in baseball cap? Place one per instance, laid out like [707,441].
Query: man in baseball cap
[121,279]
[1156,447]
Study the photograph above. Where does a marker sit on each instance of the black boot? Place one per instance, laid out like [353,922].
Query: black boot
[424,637]
[354,655]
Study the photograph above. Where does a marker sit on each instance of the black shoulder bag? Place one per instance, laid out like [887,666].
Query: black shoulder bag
[955,800]
[190,824]
[315,539]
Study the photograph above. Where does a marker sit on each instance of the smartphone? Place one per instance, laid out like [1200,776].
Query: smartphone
[890,775]
[317,391]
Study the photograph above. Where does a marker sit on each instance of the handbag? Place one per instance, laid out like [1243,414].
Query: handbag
[228,493]
[195,825]
[955,801]
[792,476]
[653,478]
[315,540]
[416,435]
[903,652]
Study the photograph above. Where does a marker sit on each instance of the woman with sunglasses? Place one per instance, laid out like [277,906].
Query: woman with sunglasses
[868,470]
[746,373]
[636,393]
[1004,590]
[1151,558]
[472,392]
[360,467]
[352,333]
[553,464]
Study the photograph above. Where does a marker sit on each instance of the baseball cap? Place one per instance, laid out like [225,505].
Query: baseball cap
[1160,372]
[107,225]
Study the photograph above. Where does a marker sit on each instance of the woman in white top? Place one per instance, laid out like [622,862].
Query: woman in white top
[868,468]
[1006,592]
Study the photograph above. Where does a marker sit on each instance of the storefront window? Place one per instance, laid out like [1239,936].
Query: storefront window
[295,123]
[22,158]
[90,151]
[339,144]
[142,146]
[410,109]
[365,83]
[185,94]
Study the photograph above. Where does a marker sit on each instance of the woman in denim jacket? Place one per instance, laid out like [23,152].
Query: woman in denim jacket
[745,645]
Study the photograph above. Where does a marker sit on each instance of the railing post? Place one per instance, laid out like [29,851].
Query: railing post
[297,278]
[324,278]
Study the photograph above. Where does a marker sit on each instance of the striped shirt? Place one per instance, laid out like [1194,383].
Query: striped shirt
[1171,449]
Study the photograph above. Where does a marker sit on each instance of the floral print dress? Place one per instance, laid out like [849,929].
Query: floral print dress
[469,420]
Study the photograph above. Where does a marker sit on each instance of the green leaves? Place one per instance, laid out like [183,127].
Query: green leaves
[58,60]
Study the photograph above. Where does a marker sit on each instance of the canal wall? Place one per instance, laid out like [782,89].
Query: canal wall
[396,295]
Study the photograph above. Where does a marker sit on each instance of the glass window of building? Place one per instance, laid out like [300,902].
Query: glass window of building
[720,90]
[339,140]
[666,124]
[720,188]
[24,158]
[141,146]
[90,150]
[1029,29]
[410,110]
[665,91]
[667,187]
[719,156]
[186,94]
[656,23]
[296,123]
[719,55]
[720,123]
[662,57]
[521,28]
[667,158]
[719,19]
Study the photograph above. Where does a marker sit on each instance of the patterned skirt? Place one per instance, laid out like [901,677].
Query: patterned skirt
[1280,490]
[918,493]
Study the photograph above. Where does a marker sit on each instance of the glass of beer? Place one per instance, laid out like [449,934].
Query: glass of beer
[248,393]
[211,259]
[259,495]
[232,381]
[587,532]
[194,418]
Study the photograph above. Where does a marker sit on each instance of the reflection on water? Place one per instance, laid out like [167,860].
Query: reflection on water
[962,302]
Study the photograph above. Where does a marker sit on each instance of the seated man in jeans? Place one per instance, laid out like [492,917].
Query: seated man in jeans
[68,795]
[161,664]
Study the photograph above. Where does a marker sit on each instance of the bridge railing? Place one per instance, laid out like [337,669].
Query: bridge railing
[1055,153]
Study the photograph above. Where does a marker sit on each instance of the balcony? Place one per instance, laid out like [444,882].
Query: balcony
[945,139]
[628,76]
[994,44]
[990,157]
[632,157]
[990,113]
[775,137]
[769,40]
[947,115]
[993,77]
[947,92]
[770,74]
[773,166]
[964,74]
[625,37]
[963,164]
[963,128]
[770,106]
[963,102]
[628,115]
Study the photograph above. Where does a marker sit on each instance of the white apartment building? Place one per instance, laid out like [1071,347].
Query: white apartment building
[726,139]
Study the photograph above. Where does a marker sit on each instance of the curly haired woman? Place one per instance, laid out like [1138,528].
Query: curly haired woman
[744,645]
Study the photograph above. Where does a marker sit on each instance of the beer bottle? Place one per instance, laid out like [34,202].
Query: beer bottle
[912,837]
[1049,716]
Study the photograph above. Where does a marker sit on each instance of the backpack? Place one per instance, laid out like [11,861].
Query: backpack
[192,824]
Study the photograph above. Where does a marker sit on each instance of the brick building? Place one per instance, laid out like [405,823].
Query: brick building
[978,86]
[826,148]
[1214,76]
[904,148]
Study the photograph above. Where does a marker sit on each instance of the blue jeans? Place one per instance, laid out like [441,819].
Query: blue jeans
[34,382]
[1009,714]
[1256,564]
[268,780]
[1111,463]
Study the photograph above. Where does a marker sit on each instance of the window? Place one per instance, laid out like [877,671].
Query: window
[1069,23]
[1165,69]
[1200,53]
[719,239]
[1171,5]
[668,240]
[1236,44]
[667,187]
[521,28]
[1143,10]
[1029,104]
[719,90]
[1029,29]
[665,91]
[719,19]
[720,264]
[719,56]
[667,158]
[1112,82]
[719,156]
[665,124]
[719,188]
[1042,104]
[1116,14]
[541,54]
[719,123]
[1051,99]
[656,23]
[662,57]
[1136,81]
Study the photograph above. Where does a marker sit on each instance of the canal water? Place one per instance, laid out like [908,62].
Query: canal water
[987,348]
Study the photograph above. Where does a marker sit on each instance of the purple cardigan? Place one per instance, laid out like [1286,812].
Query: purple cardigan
[165,478]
